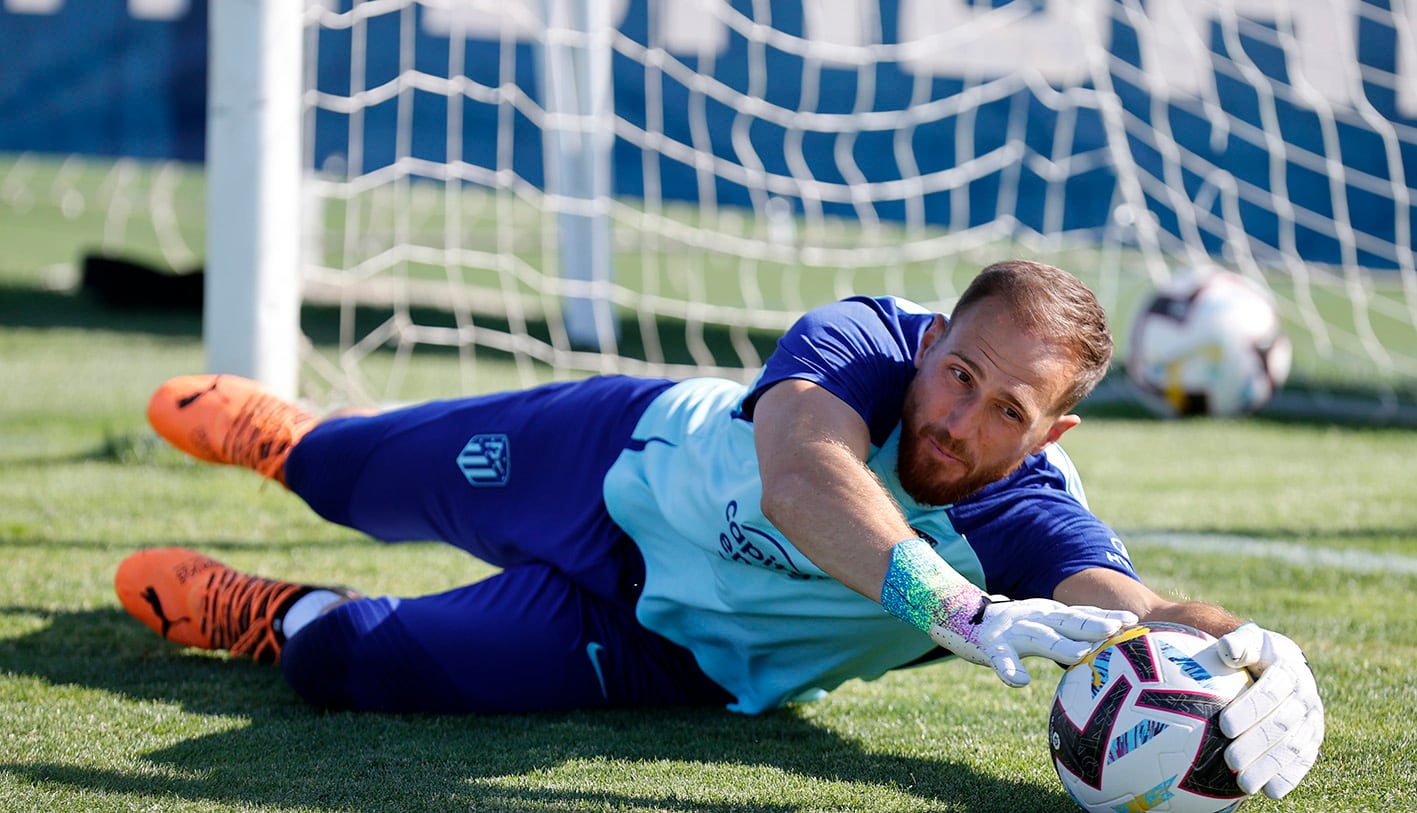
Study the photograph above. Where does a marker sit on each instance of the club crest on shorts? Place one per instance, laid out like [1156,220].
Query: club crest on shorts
[485,460]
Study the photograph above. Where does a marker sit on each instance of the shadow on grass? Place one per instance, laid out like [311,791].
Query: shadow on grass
[44,309]
[673,340]
[292,755]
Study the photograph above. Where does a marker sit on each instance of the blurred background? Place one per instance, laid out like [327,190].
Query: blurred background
[383,201]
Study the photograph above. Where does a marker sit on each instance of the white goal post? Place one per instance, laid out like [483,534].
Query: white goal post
[251,307]
[499,192]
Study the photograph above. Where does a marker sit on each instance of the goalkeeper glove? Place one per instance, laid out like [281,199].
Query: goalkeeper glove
[1277,724]
[921,589]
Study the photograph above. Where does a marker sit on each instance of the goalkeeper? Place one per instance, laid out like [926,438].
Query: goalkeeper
[888,490]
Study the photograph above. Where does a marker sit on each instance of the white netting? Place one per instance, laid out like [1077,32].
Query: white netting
[764,157]
[781,155]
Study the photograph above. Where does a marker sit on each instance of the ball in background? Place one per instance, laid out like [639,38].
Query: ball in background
[1134,725]
[1208,342]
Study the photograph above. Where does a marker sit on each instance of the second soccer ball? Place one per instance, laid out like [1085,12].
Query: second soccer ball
[1208,342]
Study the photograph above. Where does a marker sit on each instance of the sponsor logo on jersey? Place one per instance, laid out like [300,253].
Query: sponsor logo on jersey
[929,540]
[741,542]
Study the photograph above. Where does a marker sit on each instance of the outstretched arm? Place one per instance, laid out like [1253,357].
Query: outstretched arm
[1100,587]
[818,491]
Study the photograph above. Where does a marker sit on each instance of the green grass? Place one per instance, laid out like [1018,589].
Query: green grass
[1310,528]
[99,714]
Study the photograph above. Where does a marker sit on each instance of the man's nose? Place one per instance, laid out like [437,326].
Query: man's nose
[962,416]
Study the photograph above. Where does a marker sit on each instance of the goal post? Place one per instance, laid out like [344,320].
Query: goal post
[574,61]
[251,302]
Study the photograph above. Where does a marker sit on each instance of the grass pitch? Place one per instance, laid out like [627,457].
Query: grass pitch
[1309,528]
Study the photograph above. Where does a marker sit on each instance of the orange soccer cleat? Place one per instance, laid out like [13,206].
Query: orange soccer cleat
[229,419]
[194,600]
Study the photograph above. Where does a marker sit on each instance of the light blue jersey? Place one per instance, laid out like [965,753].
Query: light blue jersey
[720,580]
[760,618]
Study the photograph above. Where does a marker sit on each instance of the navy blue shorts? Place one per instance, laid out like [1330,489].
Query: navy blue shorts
[515,479]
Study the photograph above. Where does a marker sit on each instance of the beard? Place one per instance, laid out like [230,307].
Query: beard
[919,469]
[921,476]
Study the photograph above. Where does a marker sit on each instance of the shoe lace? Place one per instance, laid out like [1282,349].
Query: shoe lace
[263,433]
[239,612]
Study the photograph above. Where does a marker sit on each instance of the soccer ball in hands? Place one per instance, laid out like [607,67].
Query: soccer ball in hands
[1134,724]
[1208,342]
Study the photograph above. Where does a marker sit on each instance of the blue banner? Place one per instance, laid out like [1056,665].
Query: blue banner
[93,79]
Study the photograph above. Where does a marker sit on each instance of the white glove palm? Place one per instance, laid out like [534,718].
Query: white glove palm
[1277,724]
[1001,632]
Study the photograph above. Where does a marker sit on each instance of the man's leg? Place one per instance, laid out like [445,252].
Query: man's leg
[528,639]
[513,478]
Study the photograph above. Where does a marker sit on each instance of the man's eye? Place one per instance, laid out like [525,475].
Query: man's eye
[960,375]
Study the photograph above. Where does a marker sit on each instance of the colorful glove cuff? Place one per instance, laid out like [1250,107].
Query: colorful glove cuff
[924,591]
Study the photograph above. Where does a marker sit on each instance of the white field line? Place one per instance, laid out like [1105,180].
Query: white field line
[1292,553]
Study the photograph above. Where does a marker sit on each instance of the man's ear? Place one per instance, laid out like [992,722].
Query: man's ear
[932,334]
[1061,425]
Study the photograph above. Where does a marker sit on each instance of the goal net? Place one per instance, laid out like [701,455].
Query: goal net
[503,192]
[545,188]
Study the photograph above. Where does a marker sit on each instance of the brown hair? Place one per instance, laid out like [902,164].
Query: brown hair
[1057,307]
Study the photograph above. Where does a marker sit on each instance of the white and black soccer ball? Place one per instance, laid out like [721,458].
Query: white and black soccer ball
[1208,342]
[1134,724]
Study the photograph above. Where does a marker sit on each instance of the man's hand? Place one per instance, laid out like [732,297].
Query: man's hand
[1000,632]
[989,630]
[1278,722]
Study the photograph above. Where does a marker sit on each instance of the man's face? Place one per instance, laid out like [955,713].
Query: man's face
[984,397]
